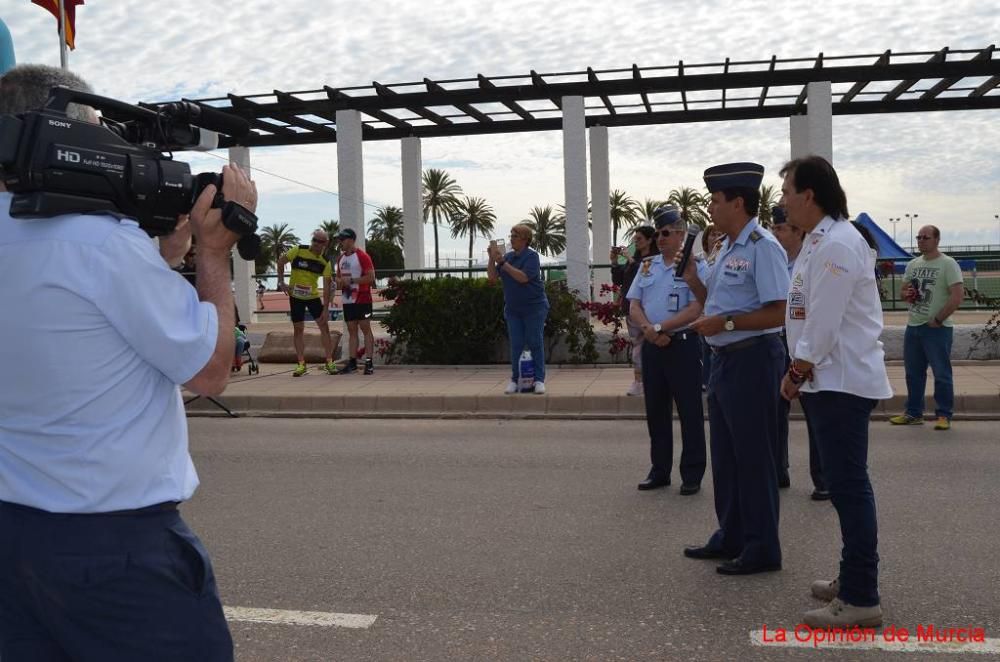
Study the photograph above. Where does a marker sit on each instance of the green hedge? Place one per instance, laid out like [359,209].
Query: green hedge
[452,321]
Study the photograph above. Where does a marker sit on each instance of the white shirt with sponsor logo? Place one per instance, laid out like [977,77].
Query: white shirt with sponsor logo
[834,316]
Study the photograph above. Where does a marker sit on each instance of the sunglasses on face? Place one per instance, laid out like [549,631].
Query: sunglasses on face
[667,233]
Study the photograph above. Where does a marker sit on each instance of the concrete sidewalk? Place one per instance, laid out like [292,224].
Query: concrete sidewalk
[477,391]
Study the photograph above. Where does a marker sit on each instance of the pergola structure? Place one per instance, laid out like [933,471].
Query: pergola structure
[809,91]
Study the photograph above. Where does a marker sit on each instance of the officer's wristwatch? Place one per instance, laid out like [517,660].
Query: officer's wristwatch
[730,324]
[658,328]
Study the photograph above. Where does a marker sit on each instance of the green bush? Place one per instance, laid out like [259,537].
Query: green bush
[384,254]
[451,321]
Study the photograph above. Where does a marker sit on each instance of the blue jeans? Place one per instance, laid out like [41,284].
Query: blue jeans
[840,421]
[923,346]
[525,332]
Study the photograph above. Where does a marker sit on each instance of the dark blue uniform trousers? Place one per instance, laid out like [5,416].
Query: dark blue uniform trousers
[743,418]
[106,588]
[840,421]
[673,374]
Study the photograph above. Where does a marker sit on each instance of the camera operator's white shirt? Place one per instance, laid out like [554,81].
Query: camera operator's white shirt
[97,333]
[834,316]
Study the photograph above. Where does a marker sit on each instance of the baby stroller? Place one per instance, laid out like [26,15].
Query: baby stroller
[243,351]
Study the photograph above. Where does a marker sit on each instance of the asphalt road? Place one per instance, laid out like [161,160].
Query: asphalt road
[482,540]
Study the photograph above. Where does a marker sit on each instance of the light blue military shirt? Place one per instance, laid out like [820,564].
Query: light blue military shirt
[745,275]
[660,294]
[97,333]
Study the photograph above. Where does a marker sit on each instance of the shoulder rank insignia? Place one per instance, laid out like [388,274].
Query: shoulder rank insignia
[755,236]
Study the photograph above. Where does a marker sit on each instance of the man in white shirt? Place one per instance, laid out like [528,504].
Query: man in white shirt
[95,560]
[833,322]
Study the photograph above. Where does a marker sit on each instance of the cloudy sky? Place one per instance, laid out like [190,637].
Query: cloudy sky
[942,166]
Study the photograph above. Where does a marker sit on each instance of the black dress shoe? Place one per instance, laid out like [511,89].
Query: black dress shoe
[654,482]
[705,553]
[688,490]
[784,481]
[738,567]
[820,495]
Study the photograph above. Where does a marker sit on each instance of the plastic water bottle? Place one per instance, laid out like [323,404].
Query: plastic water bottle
[526,372]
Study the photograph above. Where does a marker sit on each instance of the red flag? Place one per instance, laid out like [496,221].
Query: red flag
[69,8]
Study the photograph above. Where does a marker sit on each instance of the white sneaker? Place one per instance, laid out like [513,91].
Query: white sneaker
[841,614]
[634,389]
[825,590]
[511,388]
[539,388]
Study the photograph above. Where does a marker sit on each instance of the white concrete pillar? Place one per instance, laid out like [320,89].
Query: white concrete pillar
[413,211]
[243,270]
[350,173]
[812,133]
[819,105]
[575,179]
[600,191]
[798,136]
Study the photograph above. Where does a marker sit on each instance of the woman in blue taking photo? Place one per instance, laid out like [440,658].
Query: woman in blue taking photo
[525,303]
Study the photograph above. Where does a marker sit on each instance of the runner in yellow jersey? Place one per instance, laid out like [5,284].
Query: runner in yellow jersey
[308,264]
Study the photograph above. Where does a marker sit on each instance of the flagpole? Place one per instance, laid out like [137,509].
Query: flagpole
[63,55]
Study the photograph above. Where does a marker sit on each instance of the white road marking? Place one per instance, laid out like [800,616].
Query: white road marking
[288,617]
[987,647]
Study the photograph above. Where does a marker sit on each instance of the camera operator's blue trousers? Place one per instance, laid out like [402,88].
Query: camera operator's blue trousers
[116,587]
[743,421]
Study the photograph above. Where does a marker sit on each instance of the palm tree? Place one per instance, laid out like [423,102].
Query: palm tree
[275,240]
[624,213]
[646,210]
[693,205]
[768,198]
[387,225]
[549,229]
[331,228]
[440,197]
[472,216]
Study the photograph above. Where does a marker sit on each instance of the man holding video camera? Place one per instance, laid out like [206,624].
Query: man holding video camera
[95,561]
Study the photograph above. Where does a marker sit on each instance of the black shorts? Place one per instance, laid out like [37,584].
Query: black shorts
[299,307]
[355,312]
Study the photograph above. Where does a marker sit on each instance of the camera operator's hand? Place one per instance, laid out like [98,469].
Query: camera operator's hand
[174,246]
[206,222]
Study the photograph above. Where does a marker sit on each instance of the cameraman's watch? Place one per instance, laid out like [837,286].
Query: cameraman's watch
[730,324]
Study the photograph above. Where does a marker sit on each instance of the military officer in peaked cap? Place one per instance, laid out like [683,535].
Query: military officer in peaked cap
[663,307]
[744,298]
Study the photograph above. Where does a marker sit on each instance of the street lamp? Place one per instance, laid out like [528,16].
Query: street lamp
[894,221]
[911,218]
[996,217]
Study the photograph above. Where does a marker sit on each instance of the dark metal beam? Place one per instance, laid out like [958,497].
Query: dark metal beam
[592,77]
[639,119]
[539,82]
[289,100]
[985,87]
[486,84]
[765,88]
[637,77]
[387,93]
[464,107]
[490,93]
[680,75]
[251,113]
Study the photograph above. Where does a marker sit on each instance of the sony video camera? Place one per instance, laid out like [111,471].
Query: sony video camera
[55,165]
